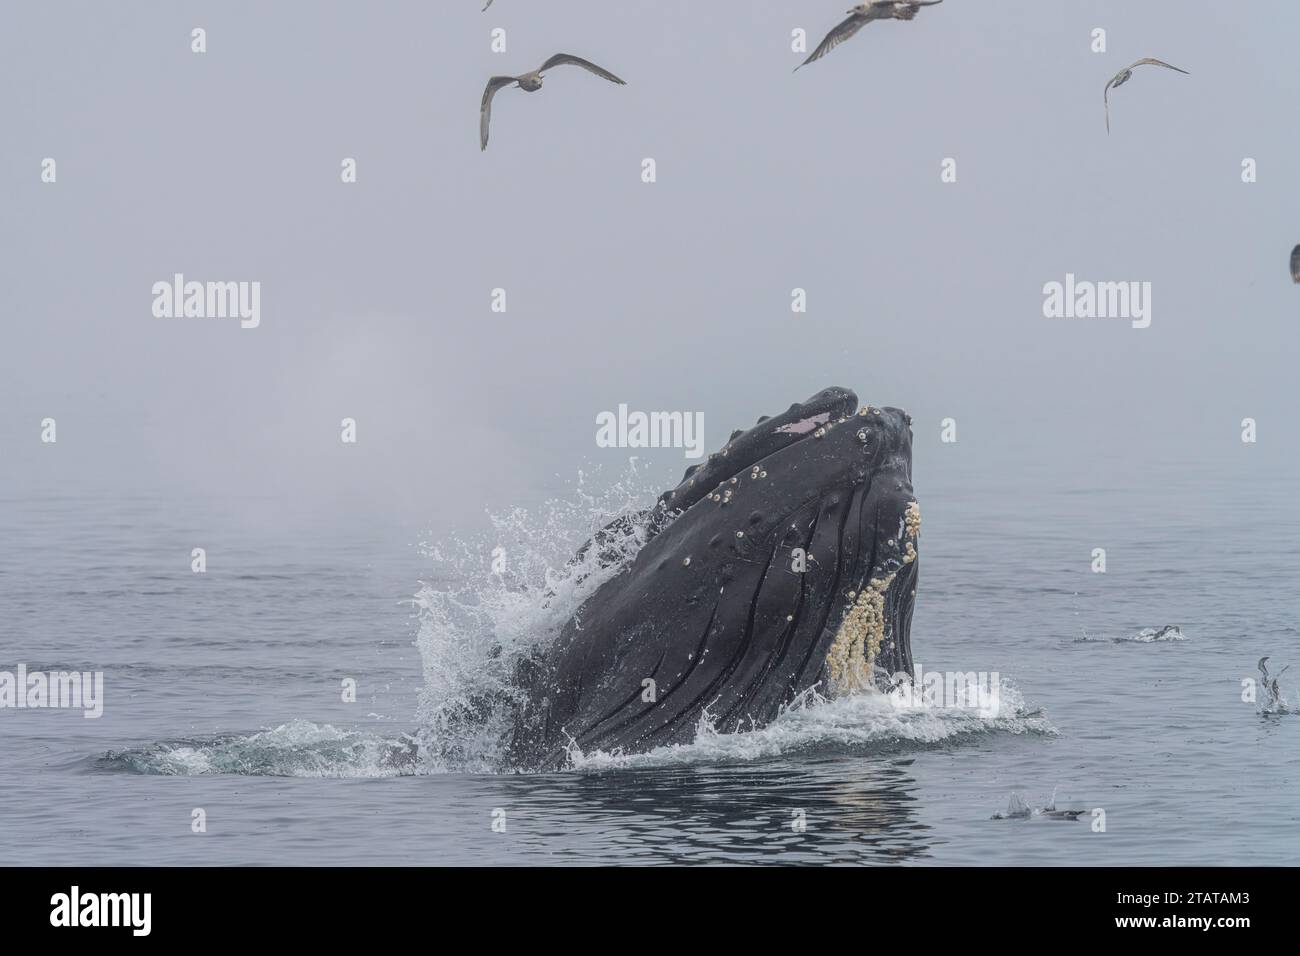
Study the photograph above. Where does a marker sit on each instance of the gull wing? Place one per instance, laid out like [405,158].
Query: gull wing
[842,31]
[1152,61]
[561,59]
[485,111]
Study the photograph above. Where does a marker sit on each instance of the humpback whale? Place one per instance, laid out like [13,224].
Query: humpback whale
[785,561]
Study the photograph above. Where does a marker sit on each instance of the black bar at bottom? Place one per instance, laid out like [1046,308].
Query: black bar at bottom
[908,904]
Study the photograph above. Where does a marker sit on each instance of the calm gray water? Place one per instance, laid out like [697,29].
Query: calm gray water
[223,693]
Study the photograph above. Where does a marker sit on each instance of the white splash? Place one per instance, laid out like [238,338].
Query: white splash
[1150,635]
[299,748]
[477,620]
[867,721]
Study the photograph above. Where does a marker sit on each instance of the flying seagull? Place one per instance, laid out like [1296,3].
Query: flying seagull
[531,83]
[1295,264]
[1124,75]
[862,14]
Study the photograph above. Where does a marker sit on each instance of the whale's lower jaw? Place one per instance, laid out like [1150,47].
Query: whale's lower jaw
[864,645]
[869,651]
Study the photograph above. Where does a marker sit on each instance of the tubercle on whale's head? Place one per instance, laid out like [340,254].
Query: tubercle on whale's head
[886,434]
[828,442]
[883,434]
[846,451]
[752,446]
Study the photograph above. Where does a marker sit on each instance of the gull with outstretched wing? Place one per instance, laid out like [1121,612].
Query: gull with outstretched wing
[531,83]
[862,14]
[1126,74]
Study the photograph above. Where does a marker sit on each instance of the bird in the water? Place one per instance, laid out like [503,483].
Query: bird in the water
[1295,264]
[486,5]
[1271,686]
[1126,74]
[1017,809]
[531,83]
[862,14]
[1051,811]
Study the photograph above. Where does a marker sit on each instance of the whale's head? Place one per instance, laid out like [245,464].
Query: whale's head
[811,513]
[785,561]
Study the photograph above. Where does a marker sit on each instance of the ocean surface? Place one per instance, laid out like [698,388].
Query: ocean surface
[224,690]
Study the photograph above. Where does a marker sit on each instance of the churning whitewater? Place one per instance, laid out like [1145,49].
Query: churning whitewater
[507,592]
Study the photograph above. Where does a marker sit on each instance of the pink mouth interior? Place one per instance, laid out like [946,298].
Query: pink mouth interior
[805,425]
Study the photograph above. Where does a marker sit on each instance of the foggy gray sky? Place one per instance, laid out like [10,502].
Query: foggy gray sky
[676,295]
